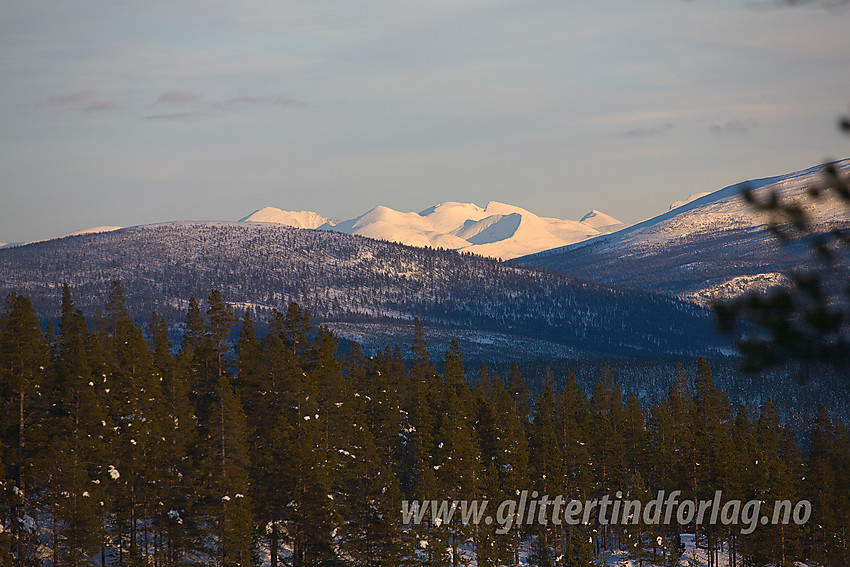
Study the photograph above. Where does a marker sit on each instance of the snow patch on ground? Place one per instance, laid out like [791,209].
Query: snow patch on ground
[737,286]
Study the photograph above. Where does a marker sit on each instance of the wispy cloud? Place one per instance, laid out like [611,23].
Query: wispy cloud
[86,102]
[189,116]
[198,109]
[273,100]
[735,127]
[648,132]
[178,97]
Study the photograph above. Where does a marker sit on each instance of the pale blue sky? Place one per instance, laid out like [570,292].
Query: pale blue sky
[123,112]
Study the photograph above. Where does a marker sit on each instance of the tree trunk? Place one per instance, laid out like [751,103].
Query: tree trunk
[273,545]
[55,539]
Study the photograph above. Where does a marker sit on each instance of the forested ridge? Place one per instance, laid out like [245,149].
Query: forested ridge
[120,449]
[353,279]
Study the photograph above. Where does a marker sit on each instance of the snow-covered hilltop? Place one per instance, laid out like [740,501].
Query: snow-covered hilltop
[298,219]
[709,246]
[94,230]
[498,230]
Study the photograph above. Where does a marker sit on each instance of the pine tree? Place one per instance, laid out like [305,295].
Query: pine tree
[299,443]
[545,462]
[742,480]
[268,397]
[221,321]
[504,458]
[300,449]
[175,515]
[821,481]
[635,435]
[23,356]
[519,392]
[133,399]
[487,433]
[420,393]
[573,424]
[841,500]
[370,488]
[71,466]
[227,491]
[456,457]
[776,468]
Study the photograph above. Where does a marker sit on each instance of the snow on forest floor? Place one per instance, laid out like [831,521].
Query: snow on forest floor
[691,557]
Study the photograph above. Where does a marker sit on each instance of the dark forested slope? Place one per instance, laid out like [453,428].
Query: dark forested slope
[365,289]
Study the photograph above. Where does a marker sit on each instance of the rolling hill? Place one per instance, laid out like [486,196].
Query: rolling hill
[367,290]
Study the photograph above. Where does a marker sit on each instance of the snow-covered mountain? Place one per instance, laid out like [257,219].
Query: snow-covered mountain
[707,246]
[298,219]
[497,230]
[601,222]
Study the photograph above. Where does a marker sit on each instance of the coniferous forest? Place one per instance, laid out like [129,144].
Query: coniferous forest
[121,448]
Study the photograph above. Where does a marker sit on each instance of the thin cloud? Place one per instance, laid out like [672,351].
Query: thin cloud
[178,97]
[273,100]
[647,132]
[190,116]
[86,102]
[733,127]
[202,110]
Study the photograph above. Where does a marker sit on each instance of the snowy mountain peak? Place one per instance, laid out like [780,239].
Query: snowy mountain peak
[499,230]
[298,219]
[456,206]
[691,198]
[601,222]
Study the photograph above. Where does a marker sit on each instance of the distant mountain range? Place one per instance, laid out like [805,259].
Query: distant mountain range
[365,289]
[497,230]
[711,246]
[706,246]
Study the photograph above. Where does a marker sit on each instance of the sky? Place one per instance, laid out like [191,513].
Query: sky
[126,112]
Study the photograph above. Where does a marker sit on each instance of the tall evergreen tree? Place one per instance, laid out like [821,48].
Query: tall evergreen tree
[226,485]
[175,514]
[456,456]
[133,399]
[23,357]
[821,481]
[71,466]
